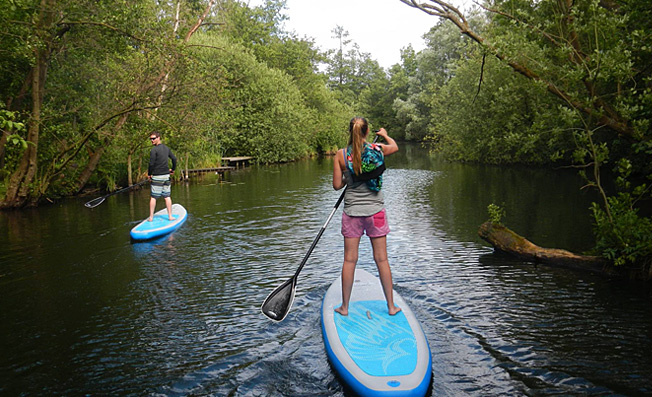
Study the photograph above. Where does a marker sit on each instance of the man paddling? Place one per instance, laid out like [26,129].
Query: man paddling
[159,174]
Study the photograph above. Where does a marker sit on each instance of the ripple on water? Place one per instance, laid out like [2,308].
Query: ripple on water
[181,315]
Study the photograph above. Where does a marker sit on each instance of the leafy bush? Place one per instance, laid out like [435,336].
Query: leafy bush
[14,143]
[623,237]
[496,213]
[260,111]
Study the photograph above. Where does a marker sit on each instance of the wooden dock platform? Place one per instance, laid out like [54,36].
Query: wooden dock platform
[218,170]
[237,161]
[231,164]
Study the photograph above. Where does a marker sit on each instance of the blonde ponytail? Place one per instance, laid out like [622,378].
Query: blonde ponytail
[358,128]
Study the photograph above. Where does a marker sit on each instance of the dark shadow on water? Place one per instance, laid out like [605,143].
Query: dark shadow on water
[147,246]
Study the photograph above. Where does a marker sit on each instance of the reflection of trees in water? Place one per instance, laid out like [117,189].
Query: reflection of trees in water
[545,206]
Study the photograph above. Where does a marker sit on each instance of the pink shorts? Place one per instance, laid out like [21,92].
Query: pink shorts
[355,226]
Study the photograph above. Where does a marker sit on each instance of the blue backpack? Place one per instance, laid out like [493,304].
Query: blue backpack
[373,166]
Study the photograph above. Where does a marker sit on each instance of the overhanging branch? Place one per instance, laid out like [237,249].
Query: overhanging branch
[447,11]
[104,25]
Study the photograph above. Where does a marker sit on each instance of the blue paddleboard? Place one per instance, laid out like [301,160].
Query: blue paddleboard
[374,353]
[161,224]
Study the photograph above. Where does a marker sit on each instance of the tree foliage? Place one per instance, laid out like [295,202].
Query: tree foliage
[350,70]
[556,81]
[513,81]
[91,79]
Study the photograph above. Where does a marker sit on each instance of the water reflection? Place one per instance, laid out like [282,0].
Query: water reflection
[181,315]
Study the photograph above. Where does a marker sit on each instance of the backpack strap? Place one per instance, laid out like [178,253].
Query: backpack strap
[373,178]
[349,165]
[367,176]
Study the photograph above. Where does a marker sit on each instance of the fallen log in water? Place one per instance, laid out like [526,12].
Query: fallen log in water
[505,240]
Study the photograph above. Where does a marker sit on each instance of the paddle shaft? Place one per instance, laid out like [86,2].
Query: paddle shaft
[126,188]
[101,199]
[321,231]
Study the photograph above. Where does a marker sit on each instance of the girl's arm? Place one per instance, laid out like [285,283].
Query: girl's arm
[338,165]
[390,147]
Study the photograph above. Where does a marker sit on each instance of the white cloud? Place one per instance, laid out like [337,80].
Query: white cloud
[379,27]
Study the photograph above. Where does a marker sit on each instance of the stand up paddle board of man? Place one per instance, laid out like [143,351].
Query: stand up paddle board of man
[159,170]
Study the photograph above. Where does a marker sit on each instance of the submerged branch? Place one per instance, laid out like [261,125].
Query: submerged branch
[505,240]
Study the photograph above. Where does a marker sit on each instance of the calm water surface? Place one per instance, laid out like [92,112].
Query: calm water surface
[85,311]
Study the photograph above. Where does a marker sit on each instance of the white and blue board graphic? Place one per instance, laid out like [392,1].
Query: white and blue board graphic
[160,225]
[374,353]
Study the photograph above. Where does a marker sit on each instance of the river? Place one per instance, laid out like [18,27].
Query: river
[83,311]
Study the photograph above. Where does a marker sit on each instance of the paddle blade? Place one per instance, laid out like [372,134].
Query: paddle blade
[94,203]
[278,303]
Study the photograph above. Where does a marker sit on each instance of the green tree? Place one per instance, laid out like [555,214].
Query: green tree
[349,70]
[377,101]
[260,30]
[508,120]
[9,125]
[68,93]
[424,74]
[90,80]
[593,57]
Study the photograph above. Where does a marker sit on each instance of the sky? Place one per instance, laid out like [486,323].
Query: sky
[380,27]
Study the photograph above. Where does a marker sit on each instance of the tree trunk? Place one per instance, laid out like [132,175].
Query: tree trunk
[505,240]
[91,166]
[187,158]
[130,179]
[23,185]
[21,181]
[95,157]
[3,145]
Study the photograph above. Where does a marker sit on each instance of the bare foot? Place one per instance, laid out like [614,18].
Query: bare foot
[342,311]
[394,310]
[171,218]
[150,219]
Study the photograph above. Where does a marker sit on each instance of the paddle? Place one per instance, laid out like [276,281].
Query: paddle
[278,303]
[95,202]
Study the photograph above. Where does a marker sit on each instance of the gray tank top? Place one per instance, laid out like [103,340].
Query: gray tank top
[359,200]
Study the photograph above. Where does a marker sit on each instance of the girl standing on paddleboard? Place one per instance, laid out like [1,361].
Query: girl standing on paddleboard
[359,167]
